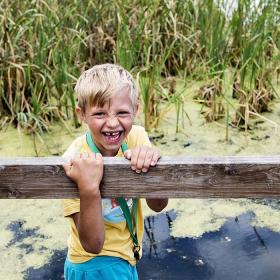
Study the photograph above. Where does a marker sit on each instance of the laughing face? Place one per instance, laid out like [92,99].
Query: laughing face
[110,124]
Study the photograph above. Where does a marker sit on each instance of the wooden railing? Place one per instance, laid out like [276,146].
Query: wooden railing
[173,177]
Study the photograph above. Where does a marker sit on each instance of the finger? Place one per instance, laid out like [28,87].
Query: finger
[156,157]
[67,168]
[134,157]
[83,155]
[98,156]
[91,154]
[127,154]
[141,159]
[71,161]
[148,160]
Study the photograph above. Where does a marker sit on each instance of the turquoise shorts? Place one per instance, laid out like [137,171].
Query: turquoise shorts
[102,267]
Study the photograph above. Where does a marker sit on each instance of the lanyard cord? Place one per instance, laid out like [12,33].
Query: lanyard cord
[122,201]
[127,215]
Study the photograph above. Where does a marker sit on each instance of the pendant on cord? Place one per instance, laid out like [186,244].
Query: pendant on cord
[136,250]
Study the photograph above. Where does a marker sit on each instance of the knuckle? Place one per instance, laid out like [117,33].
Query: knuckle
[146,166]
[133,160]
[139,164]
[134,152]
[141,157]
[150,154]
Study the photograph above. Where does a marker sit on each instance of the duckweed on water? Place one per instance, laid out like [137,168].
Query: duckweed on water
[32,230]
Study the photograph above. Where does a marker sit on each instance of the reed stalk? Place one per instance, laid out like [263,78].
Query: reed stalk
[45,45]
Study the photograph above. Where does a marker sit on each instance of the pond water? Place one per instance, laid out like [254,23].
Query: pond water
[238,250]
[191,239]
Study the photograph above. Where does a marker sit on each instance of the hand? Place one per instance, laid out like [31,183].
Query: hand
[142,158]
[86,171]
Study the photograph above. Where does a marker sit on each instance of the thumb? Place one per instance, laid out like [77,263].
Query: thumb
[127,154]
[67,168]
[99,156]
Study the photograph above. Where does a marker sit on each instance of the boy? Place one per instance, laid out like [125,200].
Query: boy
[102,245]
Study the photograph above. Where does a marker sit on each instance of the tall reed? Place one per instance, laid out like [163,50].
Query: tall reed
[44,46]
[254,41]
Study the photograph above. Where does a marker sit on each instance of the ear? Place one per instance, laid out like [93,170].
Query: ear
[80,113]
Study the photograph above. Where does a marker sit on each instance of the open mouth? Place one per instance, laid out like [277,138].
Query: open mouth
[112,137]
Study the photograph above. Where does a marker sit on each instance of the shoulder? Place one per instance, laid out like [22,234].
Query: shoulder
[75,147]
[137,130]
[138,137]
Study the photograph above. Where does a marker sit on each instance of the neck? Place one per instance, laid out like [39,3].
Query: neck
[108,153]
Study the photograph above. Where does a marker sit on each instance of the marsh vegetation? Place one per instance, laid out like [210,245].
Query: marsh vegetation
[206,69]
[233,46]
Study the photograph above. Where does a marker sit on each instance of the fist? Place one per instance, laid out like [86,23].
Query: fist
[86,170]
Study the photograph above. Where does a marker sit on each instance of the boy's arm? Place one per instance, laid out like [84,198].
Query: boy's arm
[89,220]
[141,159]
[90,224]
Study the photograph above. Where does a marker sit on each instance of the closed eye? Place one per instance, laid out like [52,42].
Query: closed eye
[98,114]
[123,113]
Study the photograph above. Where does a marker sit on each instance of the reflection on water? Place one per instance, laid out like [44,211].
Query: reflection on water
[157,230]
[236,251]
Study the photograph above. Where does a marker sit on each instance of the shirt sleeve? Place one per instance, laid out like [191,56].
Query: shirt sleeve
[75,148]
[138,137]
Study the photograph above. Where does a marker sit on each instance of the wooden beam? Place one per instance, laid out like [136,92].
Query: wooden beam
[173,177]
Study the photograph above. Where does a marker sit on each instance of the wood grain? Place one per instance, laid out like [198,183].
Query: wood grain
[173,177]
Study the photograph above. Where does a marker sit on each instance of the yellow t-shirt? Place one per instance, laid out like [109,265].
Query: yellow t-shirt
[118,242]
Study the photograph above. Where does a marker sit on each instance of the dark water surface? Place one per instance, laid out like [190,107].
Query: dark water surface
[237,251]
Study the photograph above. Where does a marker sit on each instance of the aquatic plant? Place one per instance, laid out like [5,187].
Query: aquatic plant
[35,66]
[211,95]
[253,73]
[45,45]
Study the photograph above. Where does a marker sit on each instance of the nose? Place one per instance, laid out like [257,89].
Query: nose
[112,121]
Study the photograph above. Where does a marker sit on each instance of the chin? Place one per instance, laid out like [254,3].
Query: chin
[113,149]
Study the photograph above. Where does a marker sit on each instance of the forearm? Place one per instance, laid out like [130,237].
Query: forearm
[90,223]
[157,204]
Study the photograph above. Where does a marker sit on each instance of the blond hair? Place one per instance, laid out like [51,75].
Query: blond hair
[97,85]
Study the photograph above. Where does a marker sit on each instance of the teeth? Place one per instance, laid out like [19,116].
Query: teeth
[112,133]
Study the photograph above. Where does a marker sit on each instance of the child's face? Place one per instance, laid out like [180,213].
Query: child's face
[110,124]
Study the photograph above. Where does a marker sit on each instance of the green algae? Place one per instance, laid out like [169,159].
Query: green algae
[16,143]
[194,216]
[42,216]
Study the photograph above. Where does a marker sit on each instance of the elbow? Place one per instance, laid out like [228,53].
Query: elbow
[158,208]
[157,205]
[93,246]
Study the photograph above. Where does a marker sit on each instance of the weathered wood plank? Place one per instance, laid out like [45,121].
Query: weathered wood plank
[176,177]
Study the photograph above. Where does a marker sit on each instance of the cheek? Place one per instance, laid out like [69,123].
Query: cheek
[94,125]
[127,125]
[127,122]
